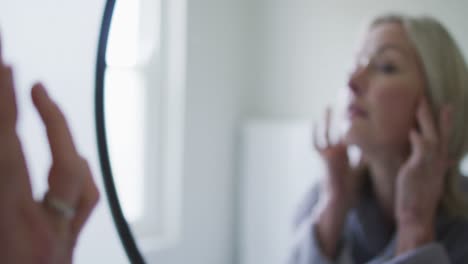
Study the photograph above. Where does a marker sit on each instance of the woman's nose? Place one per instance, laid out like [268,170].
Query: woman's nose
[357,80]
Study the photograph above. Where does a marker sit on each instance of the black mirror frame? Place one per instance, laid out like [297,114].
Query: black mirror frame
[121,224]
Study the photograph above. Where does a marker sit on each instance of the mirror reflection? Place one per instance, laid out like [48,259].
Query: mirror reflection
[209,111]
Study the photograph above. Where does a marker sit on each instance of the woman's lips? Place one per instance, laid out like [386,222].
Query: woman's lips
[356,111]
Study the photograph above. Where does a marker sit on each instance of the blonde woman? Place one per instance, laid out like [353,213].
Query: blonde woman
[408,114]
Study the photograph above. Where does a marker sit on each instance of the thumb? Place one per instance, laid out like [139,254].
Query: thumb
[416,146]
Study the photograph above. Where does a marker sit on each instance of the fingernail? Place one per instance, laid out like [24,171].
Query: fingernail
[39,86]
[40,90]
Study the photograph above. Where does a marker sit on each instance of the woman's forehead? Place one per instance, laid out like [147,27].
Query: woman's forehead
[386,36]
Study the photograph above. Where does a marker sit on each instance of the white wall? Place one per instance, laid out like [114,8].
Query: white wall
[215,65]
[278,168]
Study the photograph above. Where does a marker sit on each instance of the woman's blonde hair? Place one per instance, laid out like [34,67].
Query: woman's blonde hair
[446,74]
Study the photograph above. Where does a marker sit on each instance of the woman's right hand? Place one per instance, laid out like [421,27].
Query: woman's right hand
[340,189]
[342,180]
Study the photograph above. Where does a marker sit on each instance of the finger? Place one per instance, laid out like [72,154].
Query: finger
[315,138]
[59,222]
[417,146]
[88,200]
[8,108]
[59,135]
[426,122]
[328,114]
[445,127]
[65,179]
[62,200]
[12,162]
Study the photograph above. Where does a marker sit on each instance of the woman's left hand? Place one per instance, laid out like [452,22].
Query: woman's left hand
[421,179]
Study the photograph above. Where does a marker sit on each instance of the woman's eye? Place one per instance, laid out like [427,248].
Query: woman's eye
[386,68]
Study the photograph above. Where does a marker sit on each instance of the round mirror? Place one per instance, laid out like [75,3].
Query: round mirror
[139,110]
[111,190]
[207,156]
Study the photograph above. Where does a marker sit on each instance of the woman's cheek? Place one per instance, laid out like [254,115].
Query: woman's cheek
[396,111]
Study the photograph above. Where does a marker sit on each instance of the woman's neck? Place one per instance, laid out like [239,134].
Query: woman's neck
[383,173]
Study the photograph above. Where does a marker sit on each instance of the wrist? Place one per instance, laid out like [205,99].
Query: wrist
[413,235]
[336,202]
[329,223]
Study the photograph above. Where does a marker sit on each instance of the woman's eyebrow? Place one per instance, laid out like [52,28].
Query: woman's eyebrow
[389,46]
[404,52]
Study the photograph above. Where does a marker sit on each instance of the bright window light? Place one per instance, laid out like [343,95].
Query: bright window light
[125,108]
[122,49]
[125,125]
[143,101]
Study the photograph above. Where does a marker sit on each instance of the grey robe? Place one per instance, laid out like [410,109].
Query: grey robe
[369,238]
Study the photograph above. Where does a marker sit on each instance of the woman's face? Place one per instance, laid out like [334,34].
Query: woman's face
[385,87]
